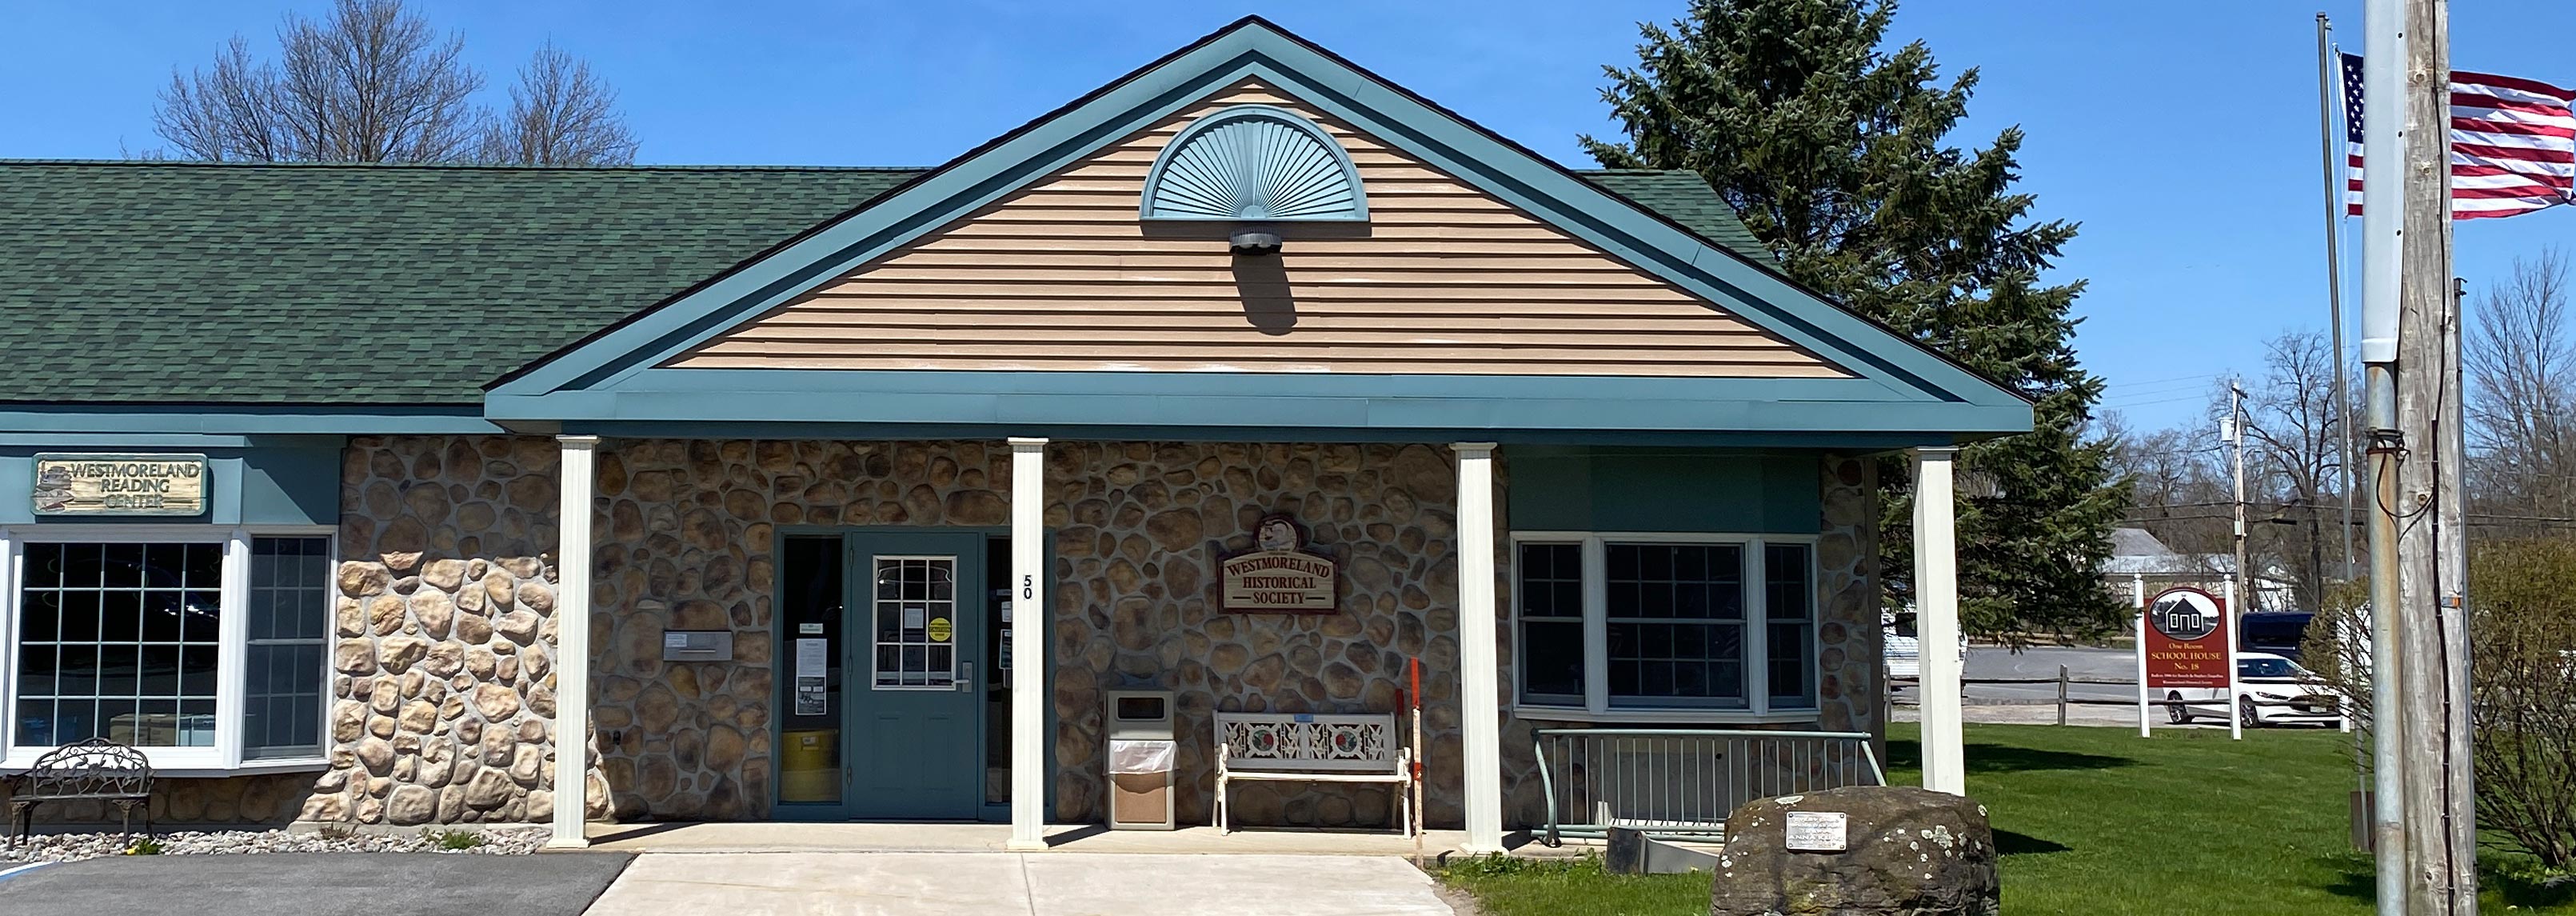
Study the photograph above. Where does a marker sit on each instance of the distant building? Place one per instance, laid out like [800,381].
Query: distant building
[2140,566]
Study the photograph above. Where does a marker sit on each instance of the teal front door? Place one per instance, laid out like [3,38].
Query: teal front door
[882,635]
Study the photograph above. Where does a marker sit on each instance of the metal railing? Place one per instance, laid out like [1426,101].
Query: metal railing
[1676,783]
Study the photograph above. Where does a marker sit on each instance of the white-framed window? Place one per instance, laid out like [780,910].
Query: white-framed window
[207,647]
[1665,627]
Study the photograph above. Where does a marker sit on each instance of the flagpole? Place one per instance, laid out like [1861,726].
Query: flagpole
[2327,84]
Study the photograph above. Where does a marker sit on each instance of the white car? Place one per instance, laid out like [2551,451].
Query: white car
[2270,690]
[1902,649]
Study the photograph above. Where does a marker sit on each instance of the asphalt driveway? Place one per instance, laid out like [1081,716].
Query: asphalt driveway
[314,884]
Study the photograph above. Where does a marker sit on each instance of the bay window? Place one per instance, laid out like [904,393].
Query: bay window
[1665,626]
[205,647]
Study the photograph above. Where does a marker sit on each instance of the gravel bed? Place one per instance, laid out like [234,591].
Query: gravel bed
[73,847]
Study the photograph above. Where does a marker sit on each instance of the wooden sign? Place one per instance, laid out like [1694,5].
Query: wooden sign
[1279,575]
[2185,640]
[120,485]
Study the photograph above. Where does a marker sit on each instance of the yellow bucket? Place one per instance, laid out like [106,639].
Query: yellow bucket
[807,771]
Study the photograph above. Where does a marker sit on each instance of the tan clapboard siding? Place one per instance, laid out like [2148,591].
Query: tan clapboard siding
[1444,279]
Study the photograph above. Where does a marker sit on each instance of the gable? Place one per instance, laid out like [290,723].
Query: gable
[1442,278]
[1876,389]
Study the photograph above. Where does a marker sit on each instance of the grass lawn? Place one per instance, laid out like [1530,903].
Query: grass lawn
[2094,820]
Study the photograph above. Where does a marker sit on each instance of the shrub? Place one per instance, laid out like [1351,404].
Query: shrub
[144,846]
[2522,659]
[453,840]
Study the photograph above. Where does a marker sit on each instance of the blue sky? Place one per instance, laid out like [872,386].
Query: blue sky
[2181,134]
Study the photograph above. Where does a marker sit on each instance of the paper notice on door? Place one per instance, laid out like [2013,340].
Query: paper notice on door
[813,677]
[813,657]
[912,617]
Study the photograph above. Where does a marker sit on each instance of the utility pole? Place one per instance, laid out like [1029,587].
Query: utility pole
[2242,584]
[2386,25]
[2413,375]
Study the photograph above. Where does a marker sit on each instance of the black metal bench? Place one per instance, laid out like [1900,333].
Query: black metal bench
[93,770]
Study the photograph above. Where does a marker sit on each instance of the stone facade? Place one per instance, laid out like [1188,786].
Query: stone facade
[1139,526]
[444,668]
[1853,696]
[269,798]
[443,674]
[687,538]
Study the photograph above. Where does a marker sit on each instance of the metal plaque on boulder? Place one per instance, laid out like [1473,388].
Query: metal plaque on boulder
[120,485]
[1819,831]
[1278,575]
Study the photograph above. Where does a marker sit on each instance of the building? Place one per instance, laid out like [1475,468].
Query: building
[2140,565]
[355,460]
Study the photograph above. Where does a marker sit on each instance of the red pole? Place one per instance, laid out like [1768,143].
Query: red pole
[1413,671]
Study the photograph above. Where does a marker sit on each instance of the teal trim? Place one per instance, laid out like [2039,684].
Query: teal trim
[1273,407]
[1220,173]
[294,482]
[1663,490]
[1902,381]
[169,421]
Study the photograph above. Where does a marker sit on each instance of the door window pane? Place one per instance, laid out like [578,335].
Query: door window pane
[1676,624]
[122,644]
[282,699]
[916,623]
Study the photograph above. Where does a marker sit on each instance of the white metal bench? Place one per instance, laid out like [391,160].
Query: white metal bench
[1311,747]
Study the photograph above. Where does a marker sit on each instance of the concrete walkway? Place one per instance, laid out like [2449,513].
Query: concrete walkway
[1045,884]
[942,837]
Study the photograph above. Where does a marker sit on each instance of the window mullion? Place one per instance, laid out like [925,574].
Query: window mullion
[232,630]
[1596,626]
[1757,623]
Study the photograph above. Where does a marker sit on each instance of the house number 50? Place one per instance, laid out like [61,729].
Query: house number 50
[1029,587]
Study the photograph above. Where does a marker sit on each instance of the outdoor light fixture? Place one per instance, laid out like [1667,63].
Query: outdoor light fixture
[1254,241]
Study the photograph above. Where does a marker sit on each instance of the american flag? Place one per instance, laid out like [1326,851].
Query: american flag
[2513,143]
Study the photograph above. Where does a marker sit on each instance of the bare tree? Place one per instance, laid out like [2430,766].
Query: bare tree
[2294,460]
[372,82]
[2522,384]
[560,114]
[223,114]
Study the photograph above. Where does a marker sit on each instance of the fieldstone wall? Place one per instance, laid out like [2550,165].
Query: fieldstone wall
[1139,526]
[443,672]
[271,798]
[687,540]
[1853,697]
[444,667]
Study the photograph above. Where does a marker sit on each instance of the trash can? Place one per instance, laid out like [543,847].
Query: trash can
[807,770]
[1143,752]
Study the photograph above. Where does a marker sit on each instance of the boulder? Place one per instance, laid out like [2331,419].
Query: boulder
[1908,852]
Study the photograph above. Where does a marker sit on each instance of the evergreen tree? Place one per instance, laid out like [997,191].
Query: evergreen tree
[1833,150]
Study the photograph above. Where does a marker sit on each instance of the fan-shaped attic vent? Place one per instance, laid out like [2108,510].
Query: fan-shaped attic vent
[1253,163]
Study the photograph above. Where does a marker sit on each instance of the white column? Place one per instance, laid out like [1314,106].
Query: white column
[575,485]
[1479,680]
[1031,685]
[1936,607]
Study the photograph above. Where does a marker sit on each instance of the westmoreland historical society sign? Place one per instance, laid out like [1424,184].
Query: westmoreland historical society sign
[120,485]
[1278,575]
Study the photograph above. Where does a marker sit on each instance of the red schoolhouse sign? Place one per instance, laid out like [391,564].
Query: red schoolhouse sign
[2185,640]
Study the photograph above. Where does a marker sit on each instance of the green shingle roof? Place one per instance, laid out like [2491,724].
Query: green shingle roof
[406,285]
